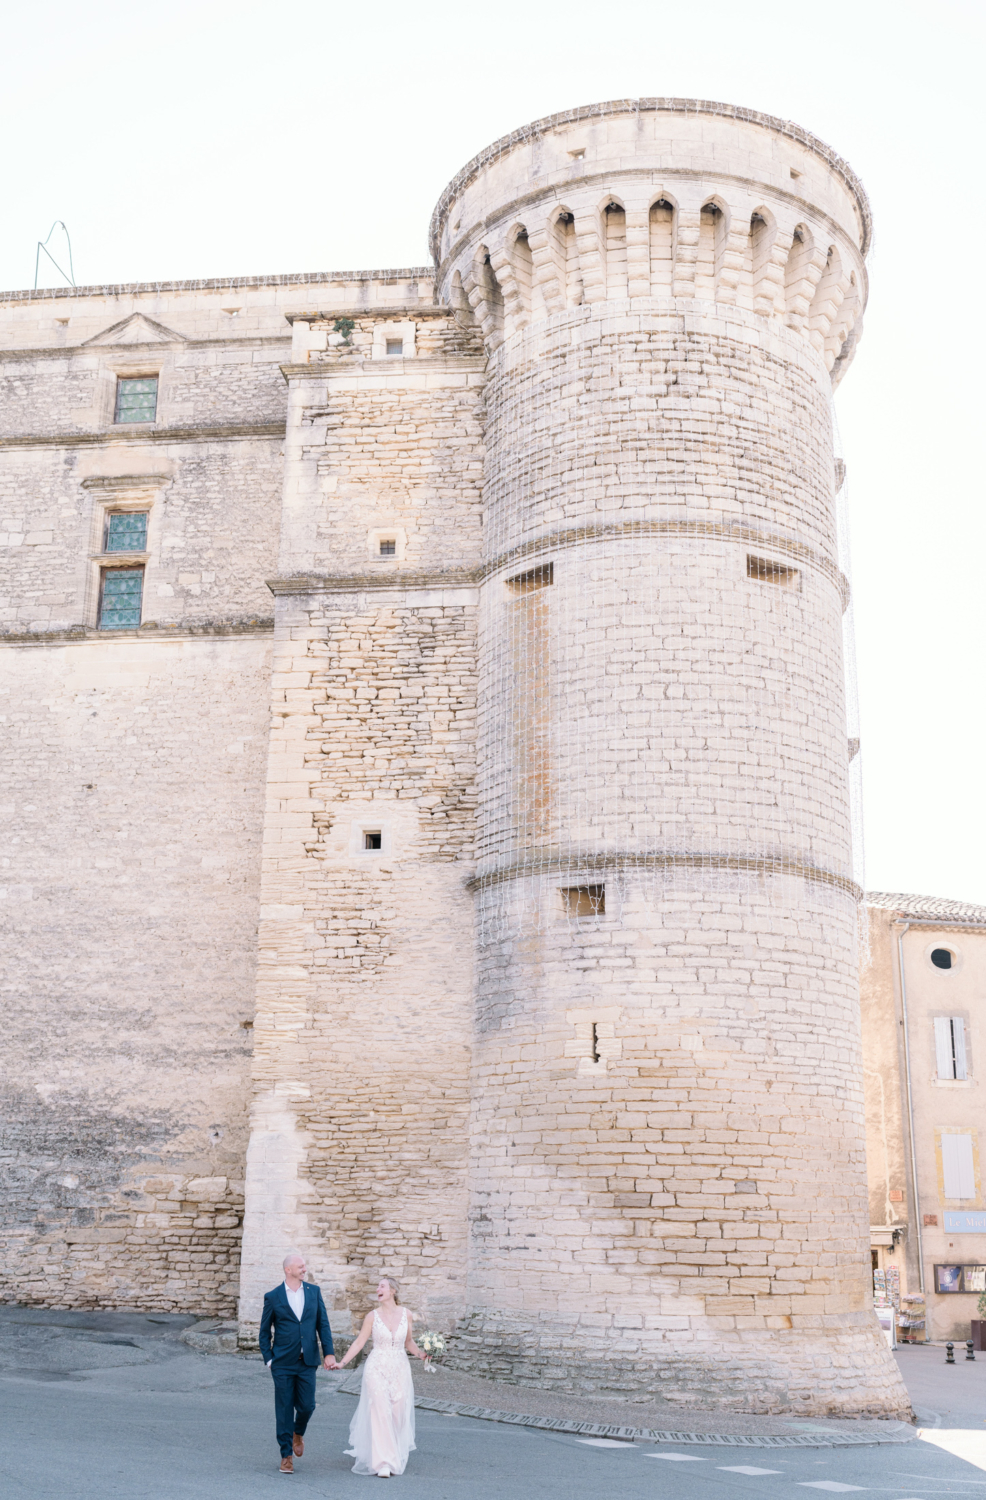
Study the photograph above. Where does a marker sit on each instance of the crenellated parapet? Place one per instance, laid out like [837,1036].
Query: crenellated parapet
[658,199]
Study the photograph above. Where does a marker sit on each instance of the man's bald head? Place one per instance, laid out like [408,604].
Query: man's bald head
[292,1259]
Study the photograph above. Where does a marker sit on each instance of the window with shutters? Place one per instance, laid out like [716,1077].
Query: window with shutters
[958,1166]
[950,1047]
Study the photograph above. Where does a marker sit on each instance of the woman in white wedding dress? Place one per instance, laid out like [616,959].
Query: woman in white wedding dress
[381,1434]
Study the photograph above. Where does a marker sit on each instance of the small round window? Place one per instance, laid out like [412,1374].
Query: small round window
[941,958]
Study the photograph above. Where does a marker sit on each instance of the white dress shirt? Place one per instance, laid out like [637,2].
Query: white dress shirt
[296,1299]
[296,1302]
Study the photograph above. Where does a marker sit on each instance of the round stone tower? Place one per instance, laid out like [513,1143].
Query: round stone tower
[668,1191]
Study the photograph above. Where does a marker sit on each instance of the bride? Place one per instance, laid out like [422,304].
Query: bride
[381,1433]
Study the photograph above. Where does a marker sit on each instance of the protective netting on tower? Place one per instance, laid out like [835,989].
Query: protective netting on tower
[844,537]
[663,690]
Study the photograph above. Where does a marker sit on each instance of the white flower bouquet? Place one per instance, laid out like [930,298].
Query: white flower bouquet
[432,1344]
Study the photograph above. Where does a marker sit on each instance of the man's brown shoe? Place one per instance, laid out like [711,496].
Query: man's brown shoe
[298,1444]
[287,1465]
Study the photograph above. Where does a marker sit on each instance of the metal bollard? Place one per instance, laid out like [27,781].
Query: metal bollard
[950,1354]
[970,1352]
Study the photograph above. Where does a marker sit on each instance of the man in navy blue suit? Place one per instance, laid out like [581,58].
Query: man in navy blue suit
[295,1314]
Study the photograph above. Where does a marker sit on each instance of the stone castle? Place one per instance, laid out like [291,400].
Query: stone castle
[429,839]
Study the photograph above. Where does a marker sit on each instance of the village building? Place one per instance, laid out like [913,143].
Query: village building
[923,994]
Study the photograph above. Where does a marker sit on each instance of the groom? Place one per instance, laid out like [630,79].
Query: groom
[296,1313]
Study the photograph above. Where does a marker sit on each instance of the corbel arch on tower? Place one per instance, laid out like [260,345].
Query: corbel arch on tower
[613,234]
[662,218]
[828,299]
[713,237]
[802,272]
[513,265]
[765,262]
[560,272]
[459,302]
[485,297]
[590,238]
[843,323]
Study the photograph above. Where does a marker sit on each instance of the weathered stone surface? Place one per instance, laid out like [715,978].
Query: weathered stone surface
[551,537]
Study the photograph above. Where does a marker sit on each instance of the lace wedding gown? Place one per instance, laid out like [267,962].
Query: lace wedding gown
[381,1433]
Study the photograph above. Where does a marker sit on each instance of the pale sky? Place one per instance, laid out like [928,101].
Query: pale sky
[208,139]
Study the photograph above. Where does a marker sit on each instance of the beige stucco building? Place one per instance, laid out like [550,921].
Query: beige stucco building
[430,832]
[923,997]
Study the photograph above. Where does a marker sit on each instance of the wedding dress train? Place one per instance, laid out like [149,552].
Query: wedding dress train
[381,1433]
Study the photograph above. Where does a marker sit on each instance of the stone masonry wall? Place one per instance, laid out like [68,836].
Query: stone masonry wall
[686,1215]
[359,1143]
[212,533]
[132,812]
[360,1117]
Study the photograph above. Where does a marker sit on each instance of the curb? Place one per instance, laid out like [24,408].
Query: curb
[629,1434]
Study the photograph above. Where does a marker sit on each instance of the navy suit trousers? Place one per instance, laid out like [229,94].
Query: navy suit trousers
[294,1401]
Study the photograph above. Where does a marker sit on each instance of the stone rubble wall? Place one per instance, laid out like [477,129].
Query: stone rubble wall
[359,1141]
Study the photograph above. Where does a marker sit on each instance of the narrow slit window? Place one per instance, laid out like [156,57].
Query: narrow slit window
[584,900]
[126,531]
[395,346]
[119,601]
[765,570]
[534,578]
[595,1042]
[373,840]
[388,548]
[950,1047]
[136,400]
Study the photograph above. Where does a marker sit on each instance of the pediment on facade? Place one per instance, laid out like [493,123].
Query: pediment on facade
[137,329]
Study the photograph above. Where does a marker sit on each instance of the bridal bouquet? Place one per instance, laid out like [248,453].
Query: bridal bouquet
[431,1344]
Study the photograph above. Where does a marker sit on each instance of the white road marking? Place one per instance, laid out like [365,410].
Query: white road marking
[677,1458]
[828,1484]
[746,1469]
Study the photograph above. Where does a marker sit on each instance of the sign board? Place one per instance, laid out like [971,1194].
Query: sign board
[957,1222]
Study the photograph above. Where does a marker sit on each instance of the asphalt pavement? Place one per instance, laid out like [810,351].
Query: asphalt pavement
[113,1404]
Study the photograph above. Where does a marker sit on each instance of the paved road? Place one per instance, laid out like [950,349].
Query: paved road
[955,1395]
[110,1405]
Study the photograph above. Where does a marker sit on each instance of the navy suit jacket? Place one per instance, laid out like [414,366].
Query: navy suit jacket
[294,1341]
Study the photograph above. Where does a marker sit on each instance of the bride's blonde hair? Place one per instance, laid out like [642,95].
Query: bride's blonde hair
[395,1287]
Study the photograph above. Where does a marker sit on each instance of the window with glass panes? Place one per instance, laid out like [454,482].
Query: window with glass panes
[136,400]
[119,605]
[126,531]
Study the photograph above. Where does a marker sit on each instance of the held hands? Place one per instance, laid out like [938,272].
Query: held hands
[331,1363]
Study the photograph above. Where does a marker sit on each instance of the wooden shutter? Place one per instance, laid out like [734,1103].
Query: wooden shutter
[943,1047]
[958,1045]
[958,1171]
